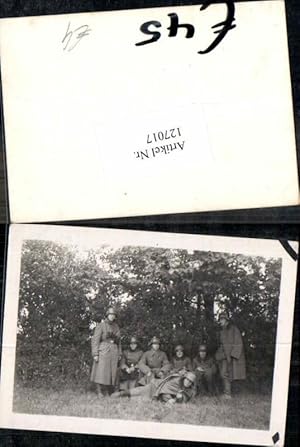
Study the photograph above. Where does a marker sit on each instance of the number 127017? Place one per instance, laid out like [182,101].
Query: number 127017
[163,135]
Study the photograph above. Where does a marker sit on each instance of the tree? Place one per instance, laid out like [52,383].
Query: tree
[171,293]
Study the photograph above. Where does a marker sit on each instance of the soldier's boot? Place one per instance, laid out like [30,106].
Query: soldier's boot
[210,387]
[105,390]
[110,389]
[125,393]
[99,390]
[227,389]
[122,393]
[116,394]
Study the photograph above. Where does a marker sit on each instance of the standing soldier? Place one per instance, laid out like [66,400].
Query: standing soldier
[154,363]
[180,362]
[230,354]
[106,350]
[129,365]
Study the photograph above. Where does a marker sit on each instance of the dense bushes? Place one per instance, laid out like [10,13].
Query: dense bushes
[169,293]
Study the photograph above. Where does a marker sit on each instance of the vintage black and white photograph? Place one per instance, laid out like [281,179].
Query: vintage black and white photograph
[147,327]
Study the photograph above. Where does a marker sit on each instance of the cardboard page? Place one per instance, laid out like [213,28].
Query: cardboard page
[143,112]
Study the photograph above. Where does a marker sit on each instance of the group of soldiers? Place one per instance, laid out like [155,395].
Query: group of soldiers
[134,372]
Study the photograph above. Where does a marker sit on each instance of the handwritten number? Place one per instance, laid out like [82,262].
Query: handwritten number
[145,28]
[68,36]
[226,25]
[72,38]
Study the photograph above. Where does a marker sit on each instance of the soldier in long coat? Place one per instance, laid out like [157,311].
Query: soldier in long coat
[175,388]
[230,354]
[106,351]
[154,363]
[180,363]
[129,365]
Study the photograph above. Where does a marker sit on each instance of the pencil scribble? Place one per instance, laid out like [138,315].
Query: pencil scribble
[72,38]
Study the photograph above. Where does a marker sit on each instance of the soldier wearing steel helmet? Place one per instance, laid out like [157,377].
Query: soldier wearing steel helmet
[205,369]
[230,354]
[174,388]
[129,370]
[154,363]
[106,351]
[180,362]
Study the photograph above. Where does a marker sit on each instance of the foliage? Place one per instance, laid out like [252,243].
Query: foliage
[174,294]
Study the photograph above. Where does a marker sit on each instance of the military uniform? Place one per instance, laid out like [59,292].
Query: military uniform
[205,375]
[129,361]
[171,387]
[106,345]
[181,364]
[230,356]
[155,362]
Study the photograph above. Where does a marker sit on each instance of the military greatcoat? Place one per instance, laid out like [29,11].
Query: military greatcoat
[165,389]
[231,346]
[172,385]
[106,345]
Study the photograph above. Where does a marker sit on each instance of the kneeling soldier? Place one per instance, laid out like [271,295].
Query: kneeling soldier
[129,365]
[205,369]
[154,363]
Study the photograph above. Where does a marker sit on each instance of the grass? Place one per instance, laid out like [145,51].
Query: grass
[251,411]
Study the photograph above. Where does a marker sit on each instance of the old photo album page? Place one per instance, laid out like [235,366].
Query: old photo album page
[148,111]
[147,334]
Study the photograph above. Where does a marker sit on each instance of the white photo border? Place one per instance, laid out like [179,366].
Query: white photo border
[156,430]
